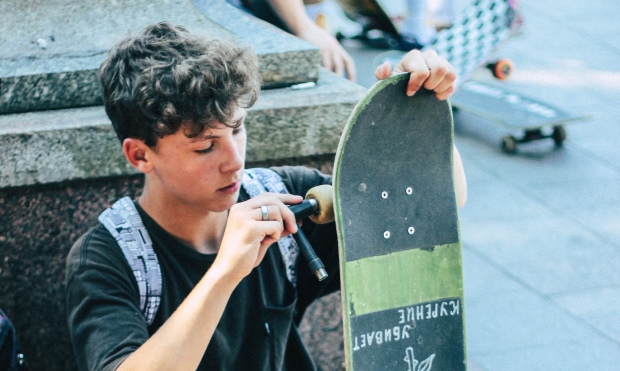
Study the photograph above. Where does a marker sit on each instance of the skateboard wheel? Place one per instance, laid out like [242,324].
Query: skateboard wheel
[386,234]
[324,195]
[559,135]
[509,144]
[502,68]
[409,190]
[411,230]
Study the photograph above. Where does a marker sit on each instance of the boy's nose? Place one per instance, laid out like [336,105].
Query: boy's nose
[235,157]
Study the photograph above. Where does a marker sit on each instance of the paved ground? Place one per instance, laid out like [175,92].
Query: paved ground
[541,228]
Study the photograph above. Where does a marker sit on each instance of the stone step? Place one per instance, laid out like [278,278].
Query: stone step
[50,50]
[79,143]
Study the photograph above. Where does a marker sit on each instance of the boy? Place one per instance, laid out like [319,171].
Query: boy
[177,103]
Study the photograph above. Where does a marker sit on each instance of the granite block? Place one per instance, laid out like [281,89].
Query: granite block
[37,228]
[52,63]
[79,143]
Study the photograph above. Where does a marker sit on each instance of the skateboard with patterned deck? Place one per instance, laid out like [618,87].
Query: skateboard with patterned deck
[398,230]
[481,29]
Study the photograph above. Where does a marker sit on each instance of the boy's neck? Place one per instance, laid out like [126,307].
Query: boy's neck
[200,230]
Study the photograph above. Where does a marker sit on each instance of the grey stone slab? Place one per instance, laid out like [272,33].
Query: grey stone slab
[509,323]
[549,45]
[492,199]
[574,15]
[541,163]
[551,254]
[607,28]
[603,219]
[510,327]
[575,9]
[482,280]
[559,356]
[580,193]
[52,62]
[472,366]
[602,127]
[598,307]
[58,145]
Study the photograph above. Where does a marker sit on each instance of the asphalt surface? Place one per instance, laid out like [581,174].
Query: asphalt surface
[541,228]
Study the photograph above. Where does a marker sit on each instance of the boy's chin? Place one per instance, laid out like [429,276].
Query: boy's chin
[230,201]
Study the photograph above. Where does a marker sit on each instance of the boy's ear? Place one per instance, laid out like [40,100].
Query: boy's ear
[138,154]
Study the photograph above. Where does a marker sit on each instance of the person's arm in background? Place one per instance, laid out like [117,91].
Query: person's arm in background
[334,57]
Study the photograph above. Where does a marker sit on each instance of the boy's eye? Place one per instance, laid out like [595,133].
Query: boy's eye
[206,150]
[238,130]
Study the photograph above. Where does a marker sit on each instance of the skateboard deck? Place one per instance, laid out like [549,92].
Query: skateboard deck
[477,33]
[398,231]
[528,119]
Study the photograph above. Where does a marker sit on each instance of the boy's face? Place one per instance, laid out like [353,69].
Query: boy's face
[204,171]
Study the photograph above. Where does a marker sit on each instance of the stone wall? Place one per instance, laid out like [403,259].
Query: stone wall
[38,226]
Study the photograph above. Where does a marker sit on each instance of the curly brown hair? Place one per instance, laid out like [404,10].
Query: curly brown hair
[166,78]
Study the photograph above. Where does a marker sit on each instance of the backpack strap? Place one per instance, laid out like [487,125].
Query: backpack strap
[258,181]
[124,223]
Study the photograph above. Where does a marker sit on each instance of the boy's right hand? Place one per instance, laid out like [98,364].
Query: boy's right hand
[247,236]
[427,69]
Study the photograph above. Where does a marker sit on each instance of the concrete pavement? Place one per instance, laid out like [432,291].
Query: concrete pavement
[541,229]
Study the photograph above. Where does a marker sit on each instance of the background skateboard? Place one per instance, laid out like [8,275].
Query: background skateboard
[527,118]
[398,230]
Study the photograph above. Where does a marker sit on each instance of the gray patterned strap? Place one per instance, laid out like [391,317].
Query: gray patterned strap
[258,181]
[125,224]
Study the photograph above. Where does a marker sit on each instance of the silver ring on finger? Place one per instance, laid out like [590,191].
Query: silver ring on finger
[265,212]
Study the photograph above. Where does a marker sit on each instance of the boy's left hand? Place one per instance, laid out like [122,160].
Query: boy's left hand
[427,69]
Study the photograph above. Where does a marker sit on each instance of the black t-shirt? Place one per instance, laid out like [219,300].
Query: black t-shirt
[258,329]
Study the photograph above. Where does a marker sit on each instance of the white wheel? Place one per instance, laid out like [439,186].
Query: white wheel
[509,144]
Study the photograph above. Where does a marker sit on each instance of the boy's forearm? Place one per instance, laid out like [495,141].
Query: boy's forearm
[181,341]
[459,179]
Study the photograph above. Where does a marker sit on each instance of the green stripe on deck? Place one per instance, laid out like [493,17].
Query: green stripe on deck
[403,278]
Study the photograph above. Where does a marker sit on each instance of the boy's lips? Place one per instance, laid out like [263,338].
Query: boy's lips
[231,188]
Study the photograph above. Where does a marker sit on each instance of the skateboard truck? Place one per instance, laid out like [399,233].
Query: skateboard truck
[318,205]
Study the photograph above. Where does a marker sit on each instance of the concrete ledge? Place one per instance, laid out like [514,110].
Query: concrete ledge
[52,62]
[60,145]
